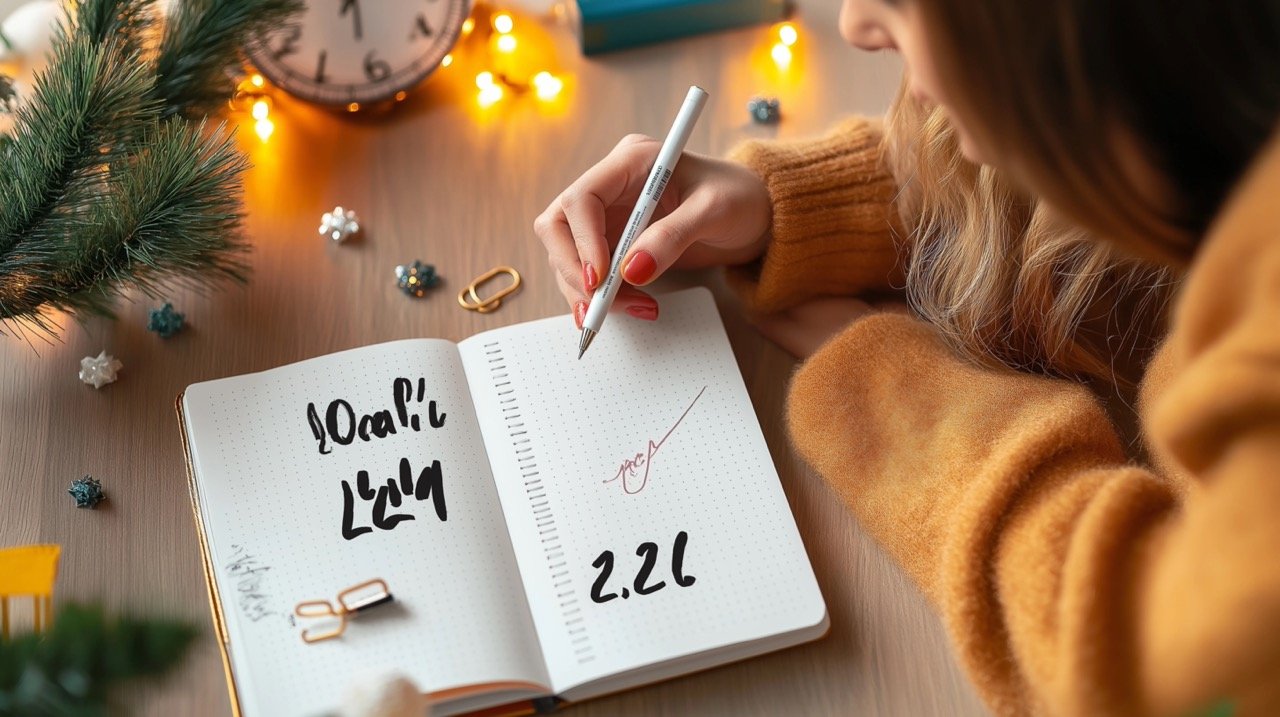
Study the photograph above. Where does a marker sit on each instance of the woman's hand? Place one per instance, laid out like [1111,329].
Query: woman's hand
[802,330]
[712,212]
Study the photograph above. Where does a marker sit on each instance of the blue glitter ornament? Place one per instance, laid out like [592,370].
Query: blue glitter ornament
[87,491]
[416,278]
[165,321]
[765,110]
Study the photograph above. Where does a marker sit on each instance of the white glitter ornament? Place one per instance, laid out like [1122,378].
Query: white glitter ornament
[384,694]
[99,371]
[339,224]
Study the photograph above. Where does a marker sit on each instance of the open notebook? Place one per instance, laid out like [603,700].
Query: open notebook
[547,526]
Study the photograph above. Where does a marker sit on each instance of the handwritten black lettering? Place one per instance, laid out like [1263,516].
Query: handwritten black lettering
[677,561]
[648,551]
[317,427]
[429,484]
[342,425]
[331,418]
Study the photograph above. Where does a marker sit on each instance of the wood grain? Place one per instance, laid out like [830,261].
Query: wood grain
[442,181]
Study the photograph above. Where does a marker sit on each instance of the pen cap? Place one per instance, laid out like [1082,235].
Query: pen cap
[694,101]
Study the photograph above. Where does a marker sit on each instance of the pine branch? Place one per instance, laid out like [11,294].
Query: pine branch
[170,213]
[202,47]
[85,105]
[66,672]
[99,190]
[125,21]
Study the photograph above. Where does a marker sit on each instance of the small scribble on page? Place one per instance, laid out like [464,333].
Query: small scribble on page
[249,576]
[633,473]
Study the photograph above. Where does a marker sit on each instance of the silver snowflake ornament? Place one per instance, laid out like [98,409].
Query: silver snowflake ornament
[100,370]
[339,224]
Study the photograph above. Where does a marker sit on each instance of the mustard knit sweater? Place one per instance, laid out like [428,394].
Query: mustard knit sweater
[1071,580]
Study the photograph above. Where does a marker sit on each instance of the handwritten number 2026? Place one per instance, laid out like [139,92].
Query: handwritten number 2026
[648,551]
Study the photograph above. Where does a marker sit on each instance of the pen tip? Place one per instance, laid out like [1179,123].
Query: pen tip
[587,335]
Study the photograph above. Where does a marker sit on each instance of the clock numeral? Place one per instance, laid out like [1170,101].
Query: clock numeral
[320,76]
[375,70]
[354,6]
[290,44]
[421,28]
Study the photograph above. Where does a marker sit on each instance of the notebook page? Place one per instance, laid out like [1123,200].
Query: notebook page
[280,529]
[646,513]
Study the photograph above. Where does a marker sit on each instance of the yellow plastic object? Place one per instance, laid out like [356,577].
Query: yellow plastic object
[28,570]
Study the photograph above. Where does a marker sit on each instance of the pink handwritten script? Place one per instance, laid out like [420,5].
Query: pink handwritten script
[637,467]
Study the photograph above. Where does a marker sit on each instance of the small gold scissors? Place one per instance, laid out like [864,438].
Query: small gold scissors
[354,599]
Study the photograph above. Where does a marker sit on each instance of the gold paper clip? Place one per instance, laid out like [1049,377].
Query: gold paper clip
[354,599]
[469,298]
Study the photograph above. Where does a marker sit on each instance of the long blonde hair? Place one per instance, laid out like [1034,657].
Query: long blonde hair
[1101,109]
[1004,279]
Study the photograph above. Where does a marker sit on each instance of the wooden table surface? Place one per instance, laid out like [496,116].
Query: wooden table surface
[441,180]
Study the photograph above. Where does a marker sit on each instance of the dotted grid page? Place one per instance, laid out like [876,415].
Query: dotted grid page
[281,531]
[647,516]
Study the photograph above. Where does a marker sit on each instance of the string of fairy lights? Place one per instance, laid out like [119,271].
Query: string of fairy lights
[505,72]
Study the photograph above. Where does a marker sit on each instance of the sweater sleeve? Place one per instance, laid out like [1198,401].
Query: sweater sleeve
[834,221]
[1071,581]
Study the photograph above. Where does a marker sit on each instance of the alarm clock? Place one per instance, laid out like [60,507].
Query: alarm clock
[348,52]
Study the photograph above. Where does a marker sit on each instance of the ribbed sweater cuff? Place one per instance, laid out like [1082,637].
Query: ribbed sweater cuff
[833,218]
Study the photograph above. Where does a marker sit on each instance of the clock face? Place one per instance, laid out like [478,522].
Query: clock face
[339,52]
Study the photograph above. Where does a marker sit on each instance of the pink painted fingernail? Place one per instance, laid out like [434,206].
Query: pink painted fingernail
[579,313]
[640,269]
[589,277]
[644,311]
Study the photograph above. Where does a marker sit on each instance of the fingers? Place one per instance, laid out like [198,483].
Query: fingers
[582,215]
[573,226]
[635,302]
[802,330]
[629,300]
[662,243]
[617,177]
[783,331]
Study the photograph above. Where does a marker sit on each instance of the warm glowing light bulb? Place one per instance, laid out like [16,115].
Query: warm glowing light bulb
[503,23]
[484,79]
[401,95]
[260,109]
[547,85]
[353,107]
[264,127]
[506,43]
[448,60]
[257,81]
[489,95]
[468,25]
[781,55]
[787,34]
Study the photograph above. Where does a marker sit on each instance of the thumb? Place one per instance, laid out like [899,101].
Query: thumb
[661,244]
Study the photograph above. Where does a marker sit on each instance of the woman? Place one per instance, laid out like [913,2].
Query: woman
[1078,571]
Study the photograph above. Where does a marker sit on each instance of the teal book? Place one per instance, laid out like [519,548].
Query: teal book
[607,25]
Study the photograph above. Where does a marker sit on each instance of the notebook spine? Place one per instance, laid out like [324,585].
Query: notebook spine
[540,505]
